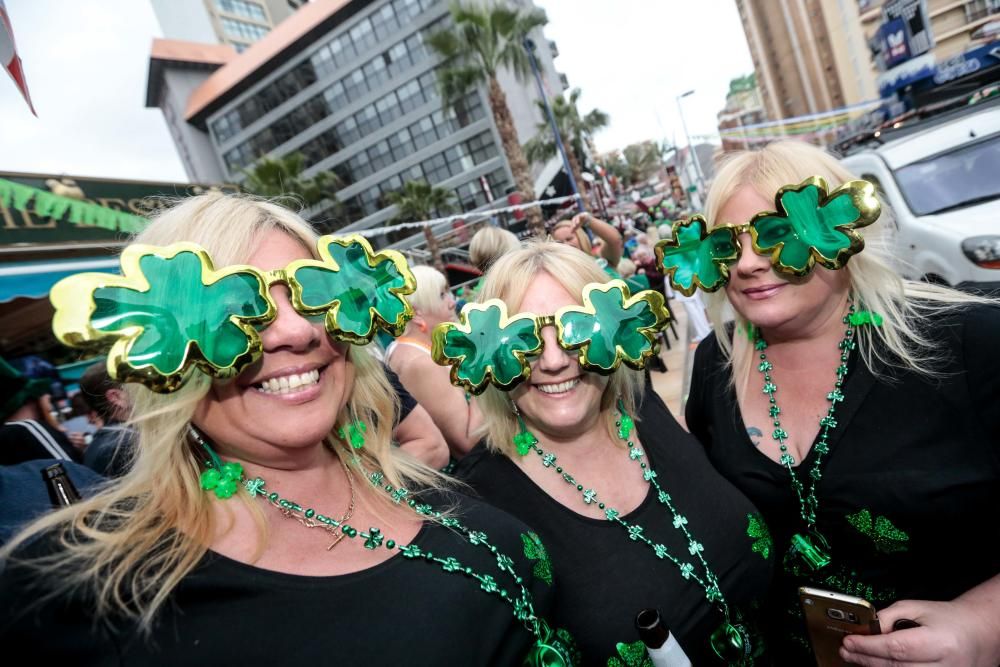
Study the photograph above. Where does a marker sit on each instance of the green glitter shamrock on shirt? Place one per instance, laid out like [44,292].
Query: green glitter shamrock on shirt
[535,550]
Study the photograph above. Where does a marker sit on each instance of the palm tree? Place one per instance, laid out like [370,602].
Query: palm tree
[643,160]
[280,176]
[483,40]
[419,200]
[574,131]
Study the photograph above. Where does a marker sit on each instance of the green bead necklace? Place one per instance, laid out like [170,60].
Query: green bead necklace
[551,649]
[811,547]
[731,641]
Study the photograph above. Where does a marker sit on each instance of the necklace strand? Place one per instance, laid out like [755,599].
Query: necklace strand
[311,523]
[736,636]
[808,503]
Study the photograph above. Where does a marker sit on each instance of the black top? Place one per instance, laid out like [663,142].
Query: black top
[913,462]
[406,400]
[400,612]
[28,439]
[24,495]
[605,578]
[111,449]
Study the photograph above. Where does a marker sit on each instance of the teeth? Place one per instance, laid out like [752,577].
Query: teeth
[557,388]
[288,384]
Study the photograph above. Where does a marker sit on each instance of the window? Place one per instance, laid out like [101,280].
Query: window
[322,62]
[335,95]
[423,133]
[370,200]
[380,156]
[360,165]
[343,50]
[250,32]
[468,110]
[436,169]
[481,147]
[388,109]
[406,9]
[384,22]
[458,159]
[250,10]
[367,120]
[347,131]
[363,35]
[416,48]
[401,144]
[375,72]
[354,85]
[344,173]
[397,58]
[410,95]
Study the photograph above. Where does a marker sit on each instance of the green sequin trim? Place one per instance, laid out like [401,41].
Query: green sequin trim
[887,538]
[631,655]
[535,550]
[759,533]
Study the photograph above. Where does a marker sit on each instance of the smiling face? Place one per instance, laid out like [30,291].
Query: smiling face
[560,400]
[288,401]
[788,305]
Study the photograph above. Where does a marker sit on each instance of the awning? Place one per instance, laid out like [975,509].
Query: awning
[34,279]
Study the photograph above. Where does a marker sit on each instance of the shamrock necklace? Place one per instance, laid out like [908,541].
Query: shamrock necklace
[730,641]
[551,649]
[810,548]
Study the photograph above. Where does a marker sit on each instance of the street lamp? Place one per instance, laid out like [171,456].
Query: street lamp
[529,46]
[697,163]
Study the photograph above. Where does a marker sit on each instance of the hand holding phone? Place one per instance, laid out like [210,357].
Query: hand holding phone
[830,617]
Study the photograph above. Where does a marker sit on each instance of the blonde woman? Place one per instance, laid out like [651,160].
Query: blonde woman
[489,244]
[409,356]
[161,568]
[630,519]
[859,412]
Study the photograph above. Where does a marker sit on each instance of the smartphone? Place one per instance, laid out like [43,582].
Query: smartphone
[830,617]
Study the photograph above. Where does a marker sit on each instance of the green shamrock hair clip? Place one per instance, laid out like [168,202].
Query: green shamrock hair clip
[611,327]
[808,227]
[171,311]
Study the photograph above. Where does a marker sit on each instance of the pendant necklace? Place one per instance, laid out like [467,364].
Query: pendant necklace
[809,548]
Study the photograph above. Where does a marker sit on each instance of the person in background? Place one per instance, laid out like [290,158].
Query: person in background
[112,446]
[859,411]
[573,230]
[26,434]
[415,432]
[489,244]
[409,356]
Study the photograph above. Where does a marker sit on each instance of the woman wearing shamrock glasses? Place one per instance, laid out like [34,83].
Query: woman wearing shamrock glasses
[857,410]
[265,515]
[630,511]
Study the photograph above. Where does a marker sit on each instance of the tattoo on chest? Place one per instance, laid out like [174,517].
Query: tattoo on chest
[755,435]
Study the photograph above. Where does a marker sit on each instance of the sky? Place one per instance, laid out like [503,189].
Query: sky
[86,64]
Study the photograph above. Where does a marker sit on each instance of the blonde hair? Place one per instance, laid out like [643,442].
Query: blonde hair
[133,542]
[490,243]
[509,279]
[872,280]
[581,236]
[430,283]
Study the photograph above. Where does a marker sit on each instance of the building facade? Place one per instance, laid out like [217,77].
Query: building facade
[744,107]
[352,87]
[810,56]
[237,23]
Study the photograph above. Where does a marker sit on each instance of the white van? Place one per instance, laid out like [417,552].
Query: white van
[942,179]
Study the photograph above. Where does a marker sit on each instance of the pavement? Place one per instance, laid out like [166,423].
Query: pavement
[672,386]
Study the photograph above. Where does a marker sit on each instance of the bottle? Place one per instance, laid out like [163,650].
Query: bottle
[661,646]
[62,492]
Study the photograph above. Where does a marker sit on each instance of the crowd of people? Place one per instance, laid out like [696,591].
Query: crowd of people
[499,483]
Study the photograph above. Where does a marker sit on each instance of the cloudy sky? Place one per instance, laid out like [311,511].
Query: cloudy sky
[86,63]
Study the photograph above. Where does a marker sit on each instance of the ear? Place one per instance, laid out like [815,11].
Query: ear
[117,398]
[419,321]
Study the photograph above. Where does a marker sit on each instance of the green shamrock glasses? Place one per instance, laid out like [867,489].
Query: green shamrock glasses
[171,311]
[611,327]
[808,227]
